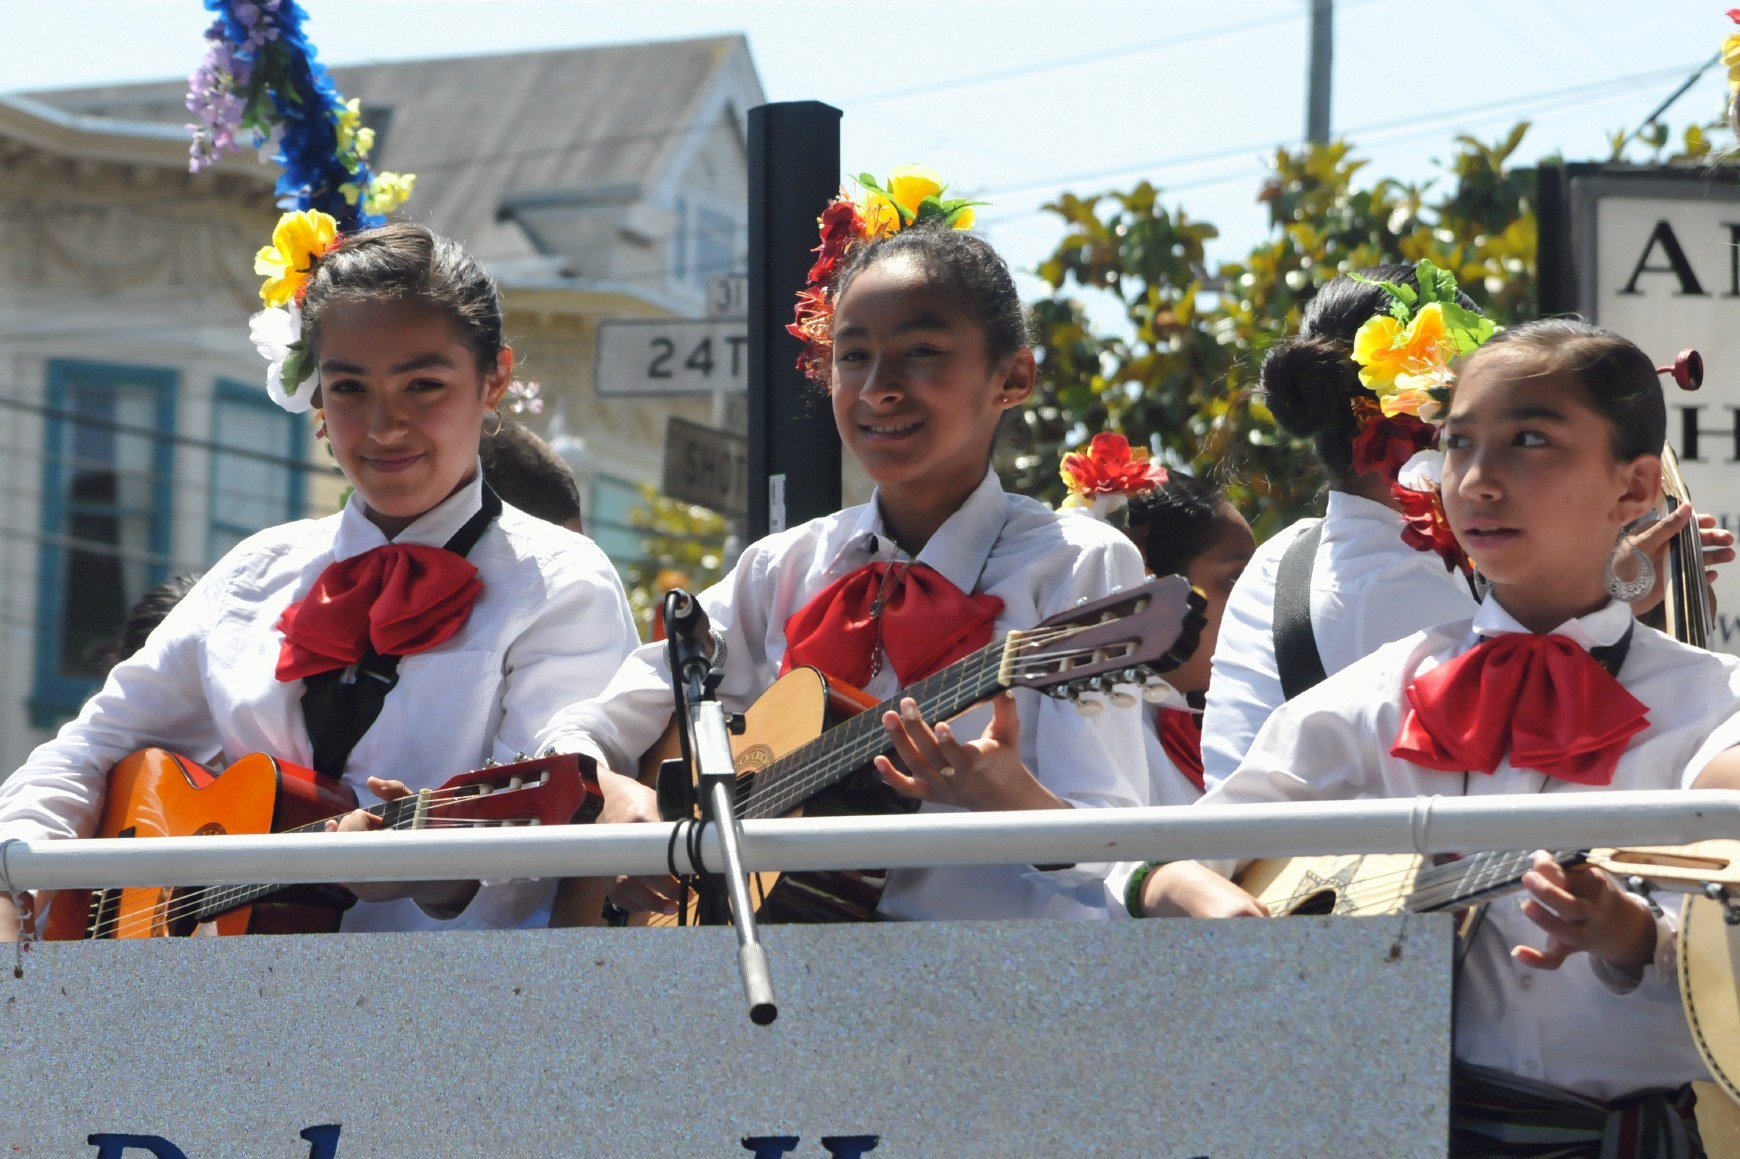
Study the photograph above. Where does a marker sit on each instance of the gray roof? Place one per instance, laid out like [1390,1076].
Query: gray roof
[478,129]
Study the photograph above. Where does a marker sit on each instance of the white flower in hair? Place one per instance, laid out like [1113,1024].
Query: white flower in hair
[1423,472]
[277,335]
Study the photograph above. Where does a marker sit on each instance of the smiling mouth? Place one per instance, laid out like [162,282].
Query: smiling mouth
[878,432]
[394,464]
[1487,535]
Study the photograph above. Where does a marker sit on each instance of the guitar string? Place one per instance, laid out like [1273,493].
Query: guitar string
[204,899]
[1444,884]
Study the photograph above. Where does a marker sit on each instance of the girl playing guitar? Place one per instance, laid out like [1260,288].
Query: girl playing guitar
[922,351]
[396,334]
[1567,1010]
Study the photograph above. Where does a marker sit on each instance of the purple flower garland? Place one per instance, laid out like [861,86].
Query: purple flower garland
[260,80]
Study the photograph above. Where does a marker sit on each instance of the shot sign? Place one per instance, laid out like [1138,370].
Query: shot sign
[707,466]
[654,356]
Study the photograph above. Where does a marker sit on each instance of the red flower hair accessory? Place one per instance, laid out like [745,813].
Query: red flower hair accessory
[1111,471]
[1426,528]
[1385,443]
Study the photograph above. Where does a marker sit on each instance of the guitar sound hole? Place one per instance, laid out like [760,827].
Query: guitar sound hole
[1315,905]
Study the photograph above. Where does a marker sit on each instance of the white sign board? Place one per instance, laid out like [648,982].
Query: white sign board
[707,466]
[1302,1037]
[728,296]
[1665,260]
[654,356]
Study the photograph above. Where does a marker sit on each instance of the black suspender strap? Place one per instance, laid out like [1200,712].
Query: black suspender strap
[1296,657]
[340,706]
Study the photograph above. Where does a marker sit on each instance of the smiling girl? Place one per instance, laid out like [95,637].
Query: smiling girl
[495,618]
[1567,1002]
[928,352]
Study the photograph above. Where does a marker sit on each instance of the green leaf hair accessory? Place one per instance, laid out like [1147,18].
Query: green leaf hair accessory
[1404,354]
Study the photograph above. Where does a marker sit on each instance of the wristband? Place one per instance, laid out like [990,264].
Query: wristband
[1133,888]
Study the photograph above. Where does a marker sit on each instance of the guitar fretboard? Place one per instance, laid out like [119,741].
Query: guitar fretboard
[849,746]
[1456,884]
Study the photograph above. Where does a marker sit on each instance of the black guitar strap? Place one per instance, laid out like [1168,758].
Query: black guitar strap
[1296,657]
[340,706]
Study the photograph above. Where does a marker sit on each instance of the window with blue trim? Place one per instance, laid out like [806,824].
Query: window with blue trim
[107,511]
[254,486]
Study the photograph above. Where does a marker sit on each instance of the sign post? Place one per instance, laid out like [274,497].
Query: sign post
[794,451]
[1653,253]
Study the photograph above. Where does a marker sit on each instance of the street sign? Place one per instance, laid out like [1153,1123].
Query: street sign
[728,296]
[707,466]
[656,356]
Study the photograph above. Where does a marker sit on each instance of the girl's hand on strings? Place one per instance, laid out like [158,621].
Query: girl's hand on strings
[628,802]
[984,774]
[1190,889]
[1583,909]
[437,898]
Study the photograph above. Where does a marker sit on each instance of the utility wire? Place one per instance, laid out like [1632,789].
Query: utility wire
[1682,90]
[165,436]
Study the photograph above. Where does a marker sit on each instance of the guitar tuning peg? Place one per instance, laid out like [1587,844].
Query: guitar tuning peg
[1122,696]
[1155,690]
[1090,704]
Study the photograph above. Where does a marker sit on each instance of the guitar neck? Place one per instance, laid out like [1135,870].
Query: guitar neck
[841,751]
[1475,878]
[405,813]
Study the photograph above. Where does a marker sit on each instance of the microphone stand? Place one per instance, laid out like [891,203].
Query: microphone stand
[706,737]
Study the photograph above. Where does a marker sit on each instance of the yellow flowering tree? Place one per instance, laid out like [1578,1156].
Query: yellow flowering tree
[684,547]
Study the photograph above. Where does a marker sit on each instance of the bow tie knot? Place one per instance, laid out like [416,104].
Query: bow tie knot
[1542,699]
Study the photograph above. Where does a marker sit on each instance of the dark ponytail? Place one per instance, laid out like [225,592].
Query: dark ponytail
[1309,381]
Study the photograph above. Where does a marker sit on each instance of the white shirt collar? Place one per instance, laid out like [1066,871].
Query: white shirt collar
[1345,506]
[959,548]
[1596,630]
[433,528]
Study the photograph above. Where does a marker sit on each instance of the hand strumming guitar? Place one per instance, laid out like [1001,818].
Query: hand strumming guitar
[985,774]
[1583,908]
[628,802]
[1190,889]
[438,899]
[9,915]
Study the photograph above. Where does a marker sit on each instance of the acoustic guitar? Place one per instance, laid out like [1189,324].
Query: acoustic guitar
[154,793]
[807,745]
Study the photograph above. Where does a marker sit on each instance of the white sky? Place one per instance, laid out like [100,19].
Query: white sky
[1015,100]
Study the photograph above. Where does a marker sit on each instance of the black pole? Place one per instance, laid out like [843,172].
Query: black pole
[1322,72]
[794,451]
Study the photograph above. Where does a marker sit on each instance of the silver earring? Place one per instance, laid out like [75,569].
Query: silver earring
[1629,591]
[488,431]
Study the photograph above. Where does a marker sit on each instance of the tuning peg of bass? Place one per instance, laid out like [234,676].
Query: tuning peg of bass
[1687,370]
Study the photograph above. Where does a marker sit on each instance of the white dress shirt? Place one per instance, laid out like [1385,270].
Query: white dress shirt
[1571,1027]
[1008,546]
[1367,589]
[552,623]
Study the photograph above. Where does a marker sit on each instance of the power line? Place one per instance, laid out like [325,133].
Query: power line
[165,436]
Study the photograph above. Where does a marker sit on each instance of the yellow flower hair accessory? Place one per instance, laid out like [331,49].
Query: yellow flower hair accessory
[1404,355]
[1731,53]
[299,240]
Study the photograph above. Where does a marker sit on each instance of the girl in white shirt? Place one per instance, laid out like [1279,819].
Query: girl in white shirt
[1368,585]
[1567,999]
[928,352]
[398,336]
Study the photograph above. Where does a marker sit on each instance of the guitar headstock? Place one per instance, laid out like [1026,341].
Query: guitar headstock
[553,790]
[1112,645]
[1690,868]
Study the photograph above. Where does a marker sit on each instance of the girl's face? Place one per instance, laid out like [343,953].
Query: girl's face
[915,398]
[1532,489]
[1214,573]
[404,404]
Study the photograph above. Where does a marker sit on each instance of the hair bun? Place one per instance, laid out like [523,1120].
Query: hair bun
[1308,384]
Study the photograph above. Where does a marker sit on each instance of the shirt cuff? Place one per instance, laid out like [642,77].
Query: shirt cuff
[1660,979]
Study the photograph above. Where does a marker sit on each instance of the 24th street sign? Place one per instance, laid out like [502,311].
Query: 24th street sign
[656,356]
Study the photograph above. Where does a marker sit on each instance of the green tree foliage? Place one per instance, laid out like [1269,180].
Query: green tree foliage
[684,547]
[1181,374]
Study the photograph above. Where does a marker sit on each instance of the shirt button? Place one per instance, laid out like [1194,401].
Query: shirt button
[1530,1066]
[1527,981]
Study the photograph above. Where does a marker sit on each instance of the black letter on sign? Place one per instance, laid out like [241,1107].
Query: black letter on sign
[1733,228]
[111,1146]
[322,1141]
[850,1146]
[771,1146]
[1690,432]
[1677,265]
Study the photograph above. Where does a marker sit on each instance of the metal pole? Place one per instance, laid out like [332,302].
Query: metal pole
[794,451]
[1322,72]
[718,777]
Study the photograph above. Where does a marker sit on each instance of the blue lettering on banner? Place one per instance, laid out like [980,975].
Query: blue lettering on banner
[322,1144]
[849,1146]
[771,1146]
[837,1146]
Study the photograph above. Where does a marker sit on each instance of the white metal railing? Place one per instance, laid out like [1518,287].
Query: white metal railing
[1423,825]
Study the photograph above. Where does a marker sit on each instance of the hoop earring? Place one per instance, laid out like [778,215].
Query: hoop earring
[1628,591]
[488,431]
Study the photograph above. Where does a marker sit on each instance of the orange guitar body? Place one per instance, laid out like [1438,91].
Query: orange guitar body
[155,793]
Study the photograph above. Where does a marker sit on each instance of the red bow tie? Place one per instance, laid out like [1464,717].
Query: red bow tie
[925,624]
[401,599]
[1543,699]
[1181,736]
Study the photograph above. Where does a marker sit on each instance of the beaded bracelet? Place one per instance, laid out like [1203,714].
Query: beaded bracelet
[1133,888]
